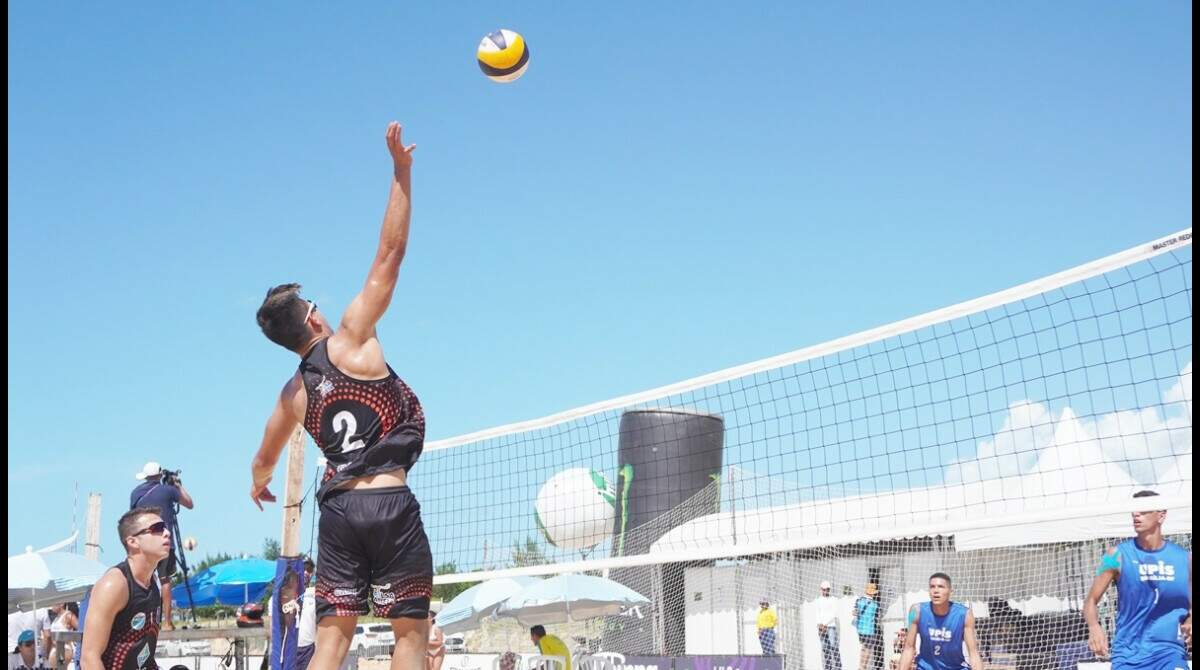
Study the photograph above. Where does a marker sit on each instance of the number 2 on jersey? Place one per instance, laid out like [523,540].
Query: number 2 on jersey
[345,421]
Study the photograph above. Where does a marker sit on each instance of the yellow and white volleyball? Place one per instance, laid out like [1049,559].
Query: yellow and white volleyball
[503,55]
[190,544]
[576,509]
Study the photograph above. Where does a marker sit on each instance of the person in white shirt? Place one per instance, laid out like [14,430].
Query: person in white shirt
[67,620]
[23,656]
[827,628]
[37,621]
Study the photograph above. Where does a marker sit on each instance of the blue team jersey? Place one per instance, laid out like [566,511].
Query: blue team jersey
[1152,600]
[941,638]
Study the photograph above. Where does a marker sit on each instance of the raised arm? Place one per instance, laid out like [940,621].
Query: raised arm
[185,498]
[358,323]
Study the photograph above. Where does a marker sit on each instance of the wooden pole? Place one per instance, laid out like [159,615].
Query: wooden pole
[289,546]
[92,548]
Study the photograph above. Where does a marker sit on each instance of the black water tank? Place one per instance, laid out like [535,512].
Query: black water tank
[665,458]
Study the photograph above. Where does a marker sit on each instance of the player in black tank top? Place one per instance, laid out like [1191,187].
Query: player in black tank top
[123,612]
[135,628]
[362,427]
[372,546]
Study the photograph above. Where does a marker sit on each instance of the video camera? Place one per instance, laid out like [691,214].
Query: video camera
[171,477]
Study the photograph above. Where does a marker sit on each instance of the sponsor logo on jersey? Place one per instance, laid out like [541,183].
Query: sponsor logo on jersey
[939,634]
[1156,572]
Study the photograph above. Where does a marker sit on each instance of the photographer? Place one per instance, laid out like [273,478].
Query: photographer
[162,489]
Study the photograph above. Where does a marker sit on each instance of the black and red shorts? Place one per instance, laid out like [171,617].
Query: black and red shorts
[372,548]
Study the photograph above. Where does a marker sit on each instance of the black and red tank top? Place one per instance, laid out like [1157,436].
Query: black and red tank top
[364,427]
[134,634]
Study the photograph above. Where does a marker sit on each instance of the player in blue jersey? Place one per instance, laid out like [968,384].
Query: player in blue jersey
[1154,598]
[943,627]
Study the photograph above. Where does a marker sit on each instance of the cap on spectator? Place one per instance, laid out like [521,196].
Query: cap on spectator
[150,469]
[26,636]
[872,589]
[825,585]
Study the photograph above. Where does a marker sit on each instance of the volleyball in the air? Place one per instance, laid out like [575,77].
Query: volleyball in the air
[190,543]
[503,55]
[576,509]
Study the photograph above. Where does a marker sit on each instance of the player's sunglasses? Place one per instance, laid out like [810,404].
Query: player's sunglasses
[159,528]
[312,307]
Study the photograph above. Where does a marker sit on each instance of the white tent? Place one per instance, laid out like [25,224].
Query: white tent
[1071,474]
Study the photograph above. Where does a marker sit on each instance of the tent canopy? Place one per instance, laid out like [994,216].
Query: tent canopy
[1068,476]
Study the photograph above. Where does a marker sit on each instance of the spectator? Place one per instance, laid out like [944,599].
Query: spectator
[67,621]
[866,624]
[827,628]
[898,651]
[550,645]
[437,645]
[24,655]
[508,660]
[37,621]
[767,619]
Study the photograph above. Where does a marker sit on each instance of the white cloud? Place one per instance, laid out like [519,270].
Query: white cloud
[1181,392]
[1148,447]
[1028,428]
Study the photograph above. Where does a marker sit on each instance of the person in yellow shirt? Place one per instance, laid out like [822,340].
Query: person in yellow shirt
[766,627]
[550,645]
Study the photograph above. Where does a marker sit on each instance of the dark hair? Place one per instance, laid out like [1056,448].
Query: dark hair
[73,608]
[538,630]
[940,575]
[127,525]
[281,317]
[308,564]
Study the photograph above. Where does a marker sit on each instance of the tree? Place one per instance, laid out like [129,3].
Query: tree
[530,553]
[447,592]
[270,549]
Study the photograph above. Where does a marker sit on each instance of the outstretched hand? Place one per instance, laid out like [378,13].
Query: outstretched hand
[401,155]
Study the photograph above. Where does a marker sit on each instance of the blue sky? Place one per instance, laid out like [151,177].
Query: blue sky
[668,191]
